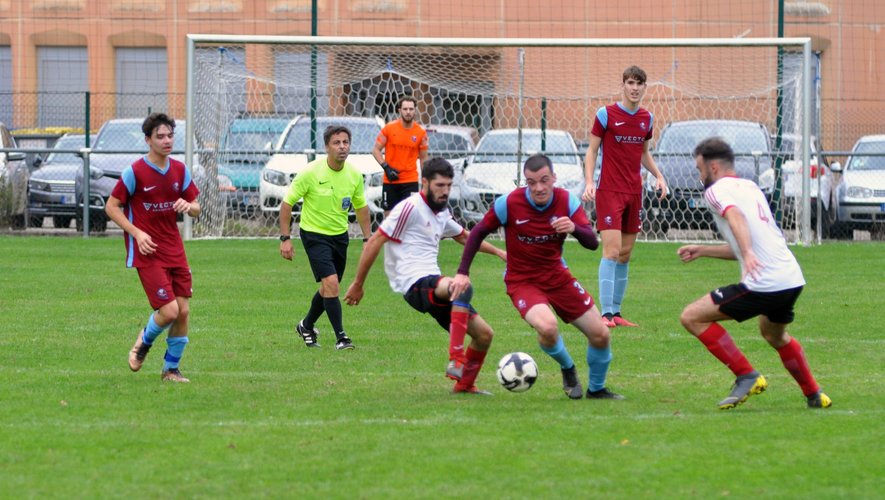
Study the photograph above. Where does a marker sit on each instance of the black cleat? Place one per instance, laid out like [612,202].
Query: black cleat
[308,336]
[603,393]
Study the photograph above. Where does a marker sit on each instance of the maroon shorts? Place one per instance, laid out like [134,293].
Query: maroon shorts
[163,284]
[567,297]
[619,211]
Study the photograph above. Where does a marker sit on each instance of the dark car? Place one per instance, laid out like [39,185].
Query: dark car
[244,151]
[51,186]
[685,207]
[119,143]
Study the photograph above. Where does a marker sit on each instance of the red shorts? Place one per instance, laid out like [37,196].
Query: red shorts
[567,297]
[619,211]
[163,284]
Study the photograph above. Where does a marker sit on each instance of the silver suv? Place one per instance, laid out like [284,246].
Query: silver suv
[13,182]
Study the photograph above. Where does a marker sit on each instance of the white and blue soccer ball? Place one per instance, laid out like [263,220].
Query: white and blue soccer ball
[517,372]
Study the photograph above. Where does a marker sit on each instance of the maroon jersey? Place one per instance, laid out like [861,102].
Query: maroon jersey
[148,193]
[534,248]
[623,139]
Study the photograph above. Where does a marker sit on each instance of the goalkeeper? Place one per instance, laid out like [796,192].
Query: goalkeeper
[403,142]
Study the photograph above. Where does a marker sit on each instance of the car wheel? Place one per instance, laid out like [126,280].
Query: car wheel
[17,221]
[96,224]
[35,221]
[61,222]
[877,231]
[826,222]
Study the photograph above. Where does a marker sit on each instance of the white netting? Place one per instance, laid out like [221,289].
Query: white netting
[518,99]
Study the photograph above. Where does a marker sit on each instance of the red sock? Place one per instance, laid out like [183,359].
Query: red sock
[721,345]
[471,369]
[794,361]
[457,331]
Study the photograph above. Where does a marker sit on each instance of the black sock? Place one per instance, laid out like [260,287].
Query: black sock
[333,311]
[316,310]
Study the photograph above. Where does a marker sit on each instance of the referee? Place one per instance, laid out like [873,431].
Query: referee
[329,188]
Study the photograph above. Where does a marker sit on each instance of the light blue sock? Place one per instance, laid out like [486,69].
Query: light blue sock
[620,285]
[598,360]
[152,330]
[560,354]
[606,284]
[174,351]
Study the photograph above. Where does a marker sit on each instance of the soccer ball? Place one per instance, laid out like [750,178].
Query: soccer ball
[517,372]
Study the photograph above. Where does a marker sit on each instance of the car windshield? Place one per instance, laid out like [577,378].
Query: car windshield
[251,135]
[683,138]
[67,142]
[790,146]
[858,162]
[501,148]
[447,143]
[127,136]
[362,139]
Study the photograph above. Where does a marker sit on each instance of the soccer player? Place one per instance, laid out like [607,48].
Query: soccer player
[624,130]
[771,279]
[145,203]
[329,186]
[411,236]
[403,143]
[536,220]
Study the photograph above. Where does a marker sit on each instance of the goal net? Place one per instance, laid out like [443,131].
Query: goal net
[258,106]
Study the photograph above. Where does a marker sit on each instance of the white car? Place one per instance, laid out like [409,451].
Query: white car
[496,168]
[860,193]
[820,180]
[293,152]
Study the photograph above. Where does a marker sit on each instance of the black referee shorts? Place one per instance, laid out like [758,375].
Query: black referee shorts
[327,254]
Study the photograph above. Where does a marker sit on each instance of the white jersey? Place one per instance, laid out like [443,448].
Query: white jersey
[414,231]
[780,271]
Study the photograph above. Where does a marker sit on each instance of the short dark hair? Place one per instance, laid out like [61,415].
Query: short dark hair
[437,166]
[537,162]
[154,120]
[634,72]
[714,148]
[405,98]
[335,129]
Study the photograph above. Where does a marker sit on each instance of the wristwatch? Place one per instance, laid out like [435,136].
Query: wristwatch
[285,237]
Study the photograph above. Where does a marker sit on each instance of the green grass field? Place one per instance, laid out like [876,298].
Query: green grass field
[266,417]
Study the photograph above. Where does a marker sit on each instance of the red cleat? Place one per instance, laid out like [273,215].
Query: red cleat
[608,322]
[459,389]
[620,321]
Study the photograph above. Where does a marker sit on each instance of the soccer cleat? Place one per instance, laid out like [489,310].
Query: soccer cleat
[745,386]
[470,390]
[819,400]
[607,321]
[603,393]
[309,336]
[619,320]
[173,375]
[570,384]
[138,352]
[343,342]
[455,369]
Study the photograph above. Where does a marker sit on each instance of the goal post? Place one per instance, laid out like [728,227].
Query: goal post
[519,96]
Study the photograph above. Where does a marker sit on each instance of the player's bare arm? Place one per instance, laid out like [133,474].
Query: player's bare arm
[114,210]
[738,224]
[367,258]
[378,150]
[192,208]
[485,247]
[363,217]
[689,253]
[590,168]
[287,251]
[649,163]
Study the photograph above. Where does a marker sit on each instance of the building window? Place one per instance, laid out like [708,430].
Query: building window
[62,83]
[142,76]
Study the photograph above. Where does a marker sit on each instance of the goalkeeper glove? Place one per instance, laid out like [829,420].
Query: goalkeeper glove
[391,173]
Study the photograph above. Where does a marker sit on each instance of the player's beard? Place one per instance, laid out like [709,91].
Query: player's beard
[435,204]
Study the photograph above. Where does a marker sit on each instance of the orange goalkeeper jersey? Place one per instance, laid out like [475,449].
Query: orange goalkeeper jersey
[401,149]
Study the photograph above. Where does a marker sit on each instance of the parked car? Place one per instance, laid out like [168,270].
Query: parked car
[13,182]
[106,165]
[684,207]
[496,169]
[243,152]
[860,193]
[293,152]
[456,144]
[820,181]
[51,186]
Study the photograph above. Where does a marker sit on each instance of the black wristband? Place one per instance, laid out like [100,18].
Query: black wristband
[285,237]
